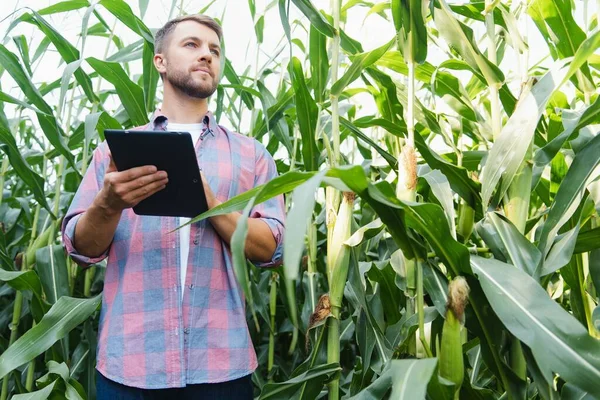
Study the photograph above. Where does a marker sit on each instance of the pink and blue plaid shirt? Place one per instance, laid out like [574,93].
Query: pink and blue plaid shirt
[148,336]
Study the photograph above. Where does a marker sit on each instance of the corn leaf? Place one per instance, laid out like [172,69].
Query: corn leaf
[64,316]
[41,394]
[570,192]
[51,266]
[461,38]
[285,390]
[555,337]
[297,222]
[508,244]
[319,63]
[411,30]
[130,94]
[307,112]
[508,152]
[359,63]
[407,378]
[315,18]
[64,6]
[123,12]
[22,168]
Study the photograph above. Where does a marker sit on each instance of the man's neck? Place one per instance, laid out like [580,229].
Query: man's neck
[181,108]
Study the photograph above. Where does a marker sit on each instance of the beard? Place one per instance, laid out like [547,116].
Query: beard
[184,82]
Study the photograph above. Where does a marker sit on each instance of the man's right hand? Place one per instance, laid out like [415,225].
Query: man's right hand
[127,188]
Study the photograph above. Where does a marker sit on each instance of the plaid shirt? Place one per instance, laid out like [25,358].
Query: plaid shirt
[148,337]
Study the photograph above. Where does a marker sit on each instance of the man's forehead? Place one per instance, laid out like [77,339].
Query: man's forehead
[192,28]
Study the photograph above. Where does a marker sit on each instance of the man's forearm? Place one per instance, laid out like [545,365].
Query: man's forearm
[260,243]
[95,230]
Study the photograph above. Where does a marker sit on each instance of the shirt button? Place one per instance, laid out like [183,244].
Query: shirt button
[195,241]
[186,331]
[192,286]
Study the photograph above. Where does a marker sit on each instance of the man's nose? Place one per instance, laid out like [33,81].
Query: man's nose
[205,54]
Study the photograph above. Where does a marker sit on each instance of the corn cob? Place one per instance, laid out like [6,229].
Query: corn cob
[451,366]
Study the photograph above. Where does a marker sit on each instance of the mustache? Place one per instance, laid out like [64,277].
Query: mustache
[203,66]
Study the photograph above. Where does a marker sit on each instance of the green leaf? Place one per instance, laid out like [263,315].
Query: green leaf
[407,378]
[130,94]
[571,121]
[21,43]
[561,251]
[64,83]
[365,232]
[259,28]
[391,160]
[307,113]
[22,280]
[9,99]
[508,152]
[441,190]
[67,51]
[436,285]
[460,37]
[123,12]
[11,63]
[554,19]
[285,390]
[234,79]
[587,241]
[297,222]
[570,392]
[570,192]
[319,63]
[150,76]
[359,63]
[41,394]
[457,176]
[64,316]
[282,184]
[22,168]
[64,6]
[507,243]
[315,18]
[410,25]
[557,340]
[51,265]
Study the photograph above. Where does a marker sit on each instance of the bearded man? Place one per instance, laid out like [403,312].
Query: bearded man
[173,321]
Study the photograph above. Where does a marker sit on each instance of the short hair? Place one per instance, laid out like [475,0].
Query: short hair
[162,35]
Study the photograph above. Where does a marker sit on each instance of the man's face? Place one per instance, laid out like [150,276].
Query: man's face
[192,59]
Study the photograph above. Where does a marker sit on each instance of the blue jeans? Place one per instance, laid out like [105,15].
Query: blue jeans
[238,389]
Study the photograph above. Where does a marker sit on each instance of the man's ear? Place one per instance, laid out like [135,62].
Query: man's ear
[160,63]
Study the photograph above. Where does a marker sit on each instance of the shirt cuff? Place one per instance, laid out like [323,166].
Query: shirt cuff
[68,238]
[277,231]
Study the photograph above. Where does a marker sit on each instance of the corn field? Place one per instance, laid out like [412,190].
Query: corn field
[443,206]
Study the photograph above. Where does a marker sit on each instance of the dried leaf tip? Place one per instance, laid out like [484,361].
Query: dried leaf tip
[458,295]
[350,196]
[322,311]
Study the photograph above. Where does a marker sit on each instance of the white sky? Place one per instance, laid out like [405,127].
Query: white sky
[240,41]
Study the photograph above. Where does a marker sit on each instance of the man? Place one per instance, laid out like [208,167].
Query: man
[173,317]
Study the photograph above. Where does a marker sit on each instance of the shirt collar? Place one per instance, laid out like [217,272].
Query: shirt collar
[159,122]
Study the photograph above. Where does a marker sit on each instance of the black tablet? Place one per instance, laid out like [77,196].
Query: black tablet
[172,152]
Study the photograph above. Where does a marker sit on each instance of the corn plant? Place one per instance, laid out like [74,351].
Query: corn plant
[442,235]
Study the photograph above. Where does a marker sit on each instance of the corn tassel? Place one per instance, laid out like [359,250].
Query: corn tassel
[451,366]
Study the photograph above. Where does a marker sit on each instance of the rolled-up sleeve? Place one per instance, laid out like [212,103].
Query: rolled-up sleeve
[272,211]
[88,189]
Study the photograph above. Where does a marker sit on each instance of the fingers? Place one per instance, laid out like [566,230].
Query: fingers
[147,190]
[111,165]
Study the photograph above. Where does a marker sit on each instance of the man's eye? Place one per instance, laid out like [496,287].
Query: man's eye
[191,43]
[215,52]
